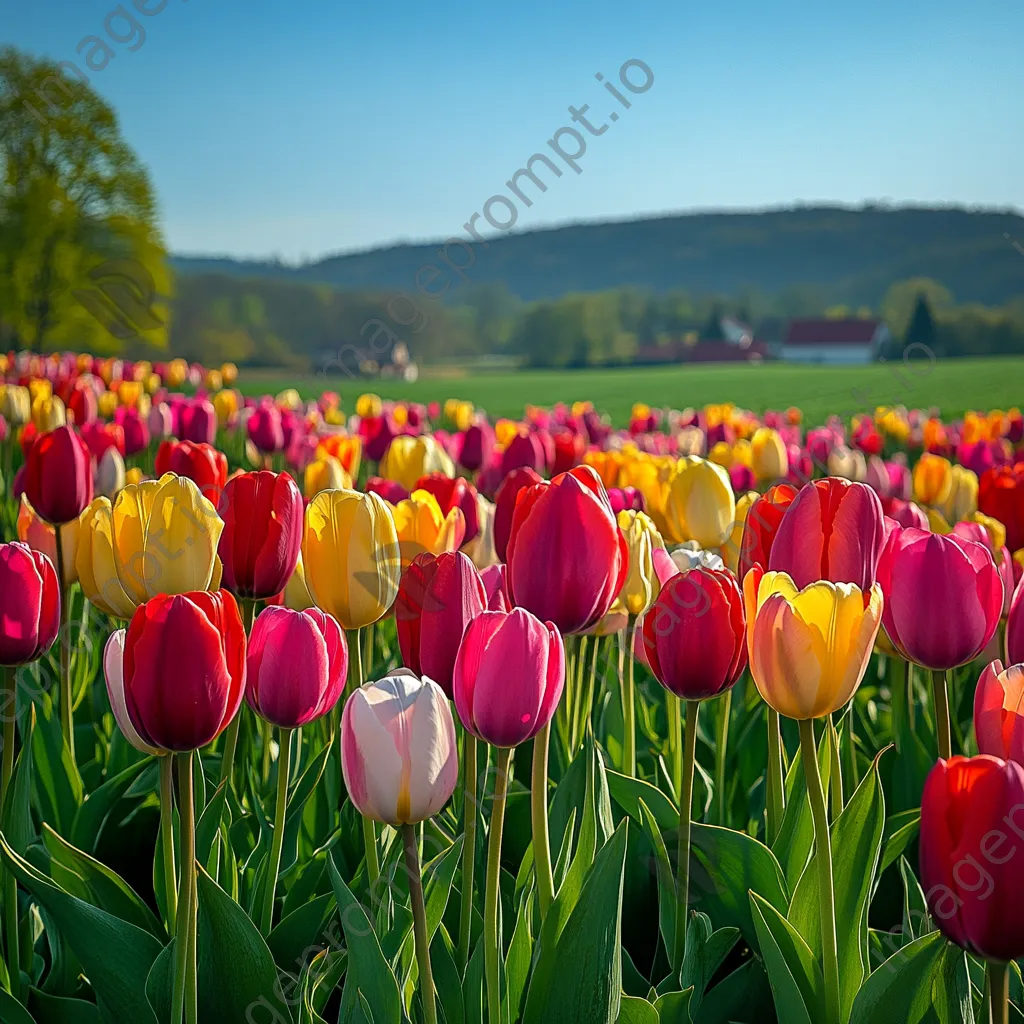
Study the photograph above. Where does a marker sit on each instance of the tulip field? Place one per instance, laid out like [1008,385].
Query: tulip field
[328,707]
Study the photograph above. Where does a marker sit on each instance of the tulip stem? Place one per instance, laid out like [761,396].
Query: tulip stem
[998,991]
[274,866]
[940,696]
[167,838]
[685,810]
[469,815]
[419,919]
[227,761]
[674,707]
[492,943]
[823,848]
[721,746]
[836,776]
[66,711]
[10,883]
[184,994]
[776,798]
[627,690]
[539,816]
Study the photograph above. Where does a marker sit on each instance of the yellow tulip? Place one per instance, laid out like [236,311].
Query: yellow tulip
[348,450]
[505,430]
[409,458]
[165,537]
[770,459]
[808,648]
[423,527]
[133,475]
[369,406]
[732,547]
[225,405]
[15,404]
[289,399]
[607,465]
[721,454]
[324,473]
[40,536]
[937,521]
[48,413]
[848,463]
[97,571]
[933,479]
[641,585]
[962,500]
[214,381]
[701,505]
[107,404]
[993,527]
[351,556]
[40,387]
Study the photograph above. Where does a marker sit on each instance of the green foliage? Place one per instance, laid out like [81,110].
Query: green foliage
[82,263]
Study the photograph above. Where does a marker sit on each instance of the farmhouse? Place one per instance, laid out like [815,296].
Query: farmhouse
[847,341]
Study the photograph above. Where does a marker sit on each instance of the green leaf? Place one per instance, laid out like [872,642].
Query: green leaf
[367,971]
[319,979]
[666,879]
[579,981]
[299,930]
[916,921]
[628,793]
[88,879]
[12,1012]
[705,951]
[951,990]
[209,822]
[856,839]
[97,806]
[446,978]
[58,785]
[50,1009]
[738,999]
[17,809]
[674,1007]
[115,955]
[520,955]
[901,989]
[724,867]
[637,1011]
[795,840]
[235,968]
[792,970]
[908,825]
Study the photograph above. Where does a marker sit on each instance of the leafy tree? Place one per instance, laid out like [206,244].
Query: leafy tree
[921,329]
[901,298]
[82,263]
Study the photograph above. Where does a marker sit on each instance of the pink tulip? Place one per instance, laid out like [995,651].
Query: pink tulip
[905,513]
[834,530]
[296,666]
[1015,626]
[509,676]
[495,581]
[398,751]
[29,604]
[943,596]
[999,712]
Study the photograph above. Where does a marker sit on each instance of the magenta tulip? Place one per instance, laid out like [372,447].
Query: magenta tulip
[505,505]
[509,676]
[296,666]
[1015,627]
[943,597]
[58,475]
[29,604]
[999,711]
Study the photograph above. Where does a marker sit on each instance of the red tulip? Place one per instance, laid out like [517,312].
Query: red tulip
[1001,496]
[58,475]
[453,493]
[761,526]
[198,422]
[296,666]
[834,530]
[389,490]
[505,504]
[972,821]
[569,448]
[101,436]
[495,580]
[437,599]
[266,430]
[943,596]
[906,513]
[567,558]
[694,633]
[136,431]
[204,465]
[29,604]
[184,668]
[508,677]
[263,522]
[474,446]
[999,711]
[524,450]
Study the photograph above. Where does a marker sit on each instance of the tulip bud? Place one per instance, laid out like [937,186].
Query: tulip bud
[999,711]
[933,479]
[1015,626]
[495,582]
[29,604]
[640,586]
[398,752]
[41,536]
[454,493]
[943,596]
[201,463]
[567,557]
[94,561]
[407,459]
[296,666]
[437,599]
[181,678]
[263,519]
[109,477]
[505,504]
[1001,496]
[351,556]
[971,824]
[770,459]
[509,676]
[58,475]
[701,505]
[761,526]
[113,674]
[808,648]
[693,635]
[324,474]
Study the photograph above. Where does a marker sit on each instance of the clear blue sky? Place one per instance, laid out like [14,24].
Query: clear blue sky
[300,128]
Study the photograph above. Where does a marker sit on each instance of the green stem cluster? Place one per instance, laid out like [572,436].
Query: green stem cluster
[492,946]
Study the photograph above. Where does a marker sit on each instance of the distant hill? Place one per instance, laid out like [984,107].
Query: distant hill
[847,255]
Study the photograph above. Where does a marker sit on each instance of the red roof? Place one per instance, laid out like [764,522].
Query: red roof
[852,331]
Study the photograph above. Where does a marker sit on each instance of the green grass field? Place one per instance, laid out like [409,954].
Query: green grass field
[951,385]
